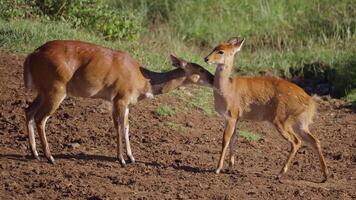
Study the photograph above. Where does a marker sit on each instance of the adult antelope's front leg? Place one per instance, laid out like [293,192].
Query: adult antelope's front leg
[229,130]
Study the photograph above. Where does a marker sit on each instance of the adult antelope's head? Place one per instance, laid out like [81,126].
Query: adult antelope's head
[224,52]
[195,73]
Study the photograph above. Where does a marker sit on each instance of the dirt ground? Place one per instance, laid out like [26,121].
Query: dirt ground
[172,163]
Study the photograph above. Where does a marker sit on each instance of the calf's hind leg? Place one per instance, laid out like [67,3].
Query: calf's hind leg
[287,133]
[310,139]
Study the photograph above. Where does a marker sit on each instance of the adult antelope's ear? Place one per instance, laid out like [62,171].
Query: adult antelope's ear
[178,62]
[237,42]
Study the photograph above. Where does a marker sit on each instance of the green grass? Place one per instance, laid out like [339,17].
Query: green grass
[203,99]
[279,34]
[175,126]
[164,111]
[249,136]
[23,36]
[351,98]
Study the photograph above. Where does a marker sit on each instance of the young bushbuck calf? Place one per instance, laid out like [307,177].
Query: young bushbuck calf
[72,68]
[263,98]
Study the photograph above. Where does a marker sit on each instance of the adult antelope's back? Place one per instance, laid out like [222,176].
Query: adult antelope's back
[264,98]
[73,68]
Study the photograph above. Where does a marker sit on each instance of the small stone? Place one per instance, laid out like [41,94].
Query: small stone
[189,124]
[73,145]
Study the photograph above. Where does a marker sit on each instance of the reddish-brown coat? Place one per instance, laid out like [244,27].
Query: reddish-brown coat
[265,98]
[73,68]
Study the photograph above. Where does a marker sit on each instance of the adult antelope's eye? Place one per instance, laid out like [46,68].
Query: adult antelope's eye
[220,52]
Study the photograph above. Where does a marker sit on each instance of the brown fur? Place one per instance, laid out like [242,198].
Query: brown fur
[72,68]
[263,98]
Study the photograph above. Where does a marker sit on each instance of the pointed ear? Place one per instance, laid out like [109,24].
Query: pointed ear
[237,42]
[177,62]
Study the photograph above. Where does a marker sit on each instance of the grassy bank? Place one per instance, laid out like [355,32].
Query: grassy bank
[280,34]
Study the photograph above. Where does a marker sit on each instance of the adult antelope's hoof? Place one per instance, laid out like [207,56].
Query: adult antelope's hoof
[325,179]
[132,159]
[36,157]
[217,171]
[50,159]
[326,176]
[122,163]
[279,177]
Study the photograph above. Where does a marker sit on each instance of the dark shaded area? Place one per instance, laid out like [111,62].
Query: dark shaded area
[315,78]
[322,79]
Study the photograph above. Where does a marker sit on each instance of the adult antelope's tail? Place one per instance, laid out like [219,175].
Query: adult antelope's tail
[27,74]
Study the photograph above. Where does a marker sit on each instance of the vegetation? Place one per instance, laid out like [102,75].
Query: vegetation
[176,127]
[203,99]
[164,111]
[280,34]
[249,136]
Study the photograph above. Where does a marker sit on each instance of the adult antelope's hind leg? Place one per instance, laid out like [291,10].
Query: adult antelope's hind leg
[50,102]
[30,113]
[229,130]
[120,115]
[125,125]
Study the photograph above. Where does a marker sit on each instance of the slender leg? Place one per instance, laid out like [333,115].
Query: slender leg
[121,113]
[309,138]
[50,103]
[232,147]
[125,124]
[119,150]
[229,130]
[295,147]
[30,113]
[293,139]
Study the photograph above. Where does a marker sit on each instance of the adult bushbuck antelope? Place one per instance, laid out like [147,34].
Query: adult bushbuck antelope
[263,98]
[72,68]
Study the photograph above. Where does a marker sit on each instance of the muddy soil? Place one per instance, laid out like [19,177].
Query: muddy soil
[176,155]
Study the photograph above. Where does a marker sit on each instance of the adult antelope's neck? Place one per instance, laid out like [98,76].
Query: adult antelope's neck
[165,81]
